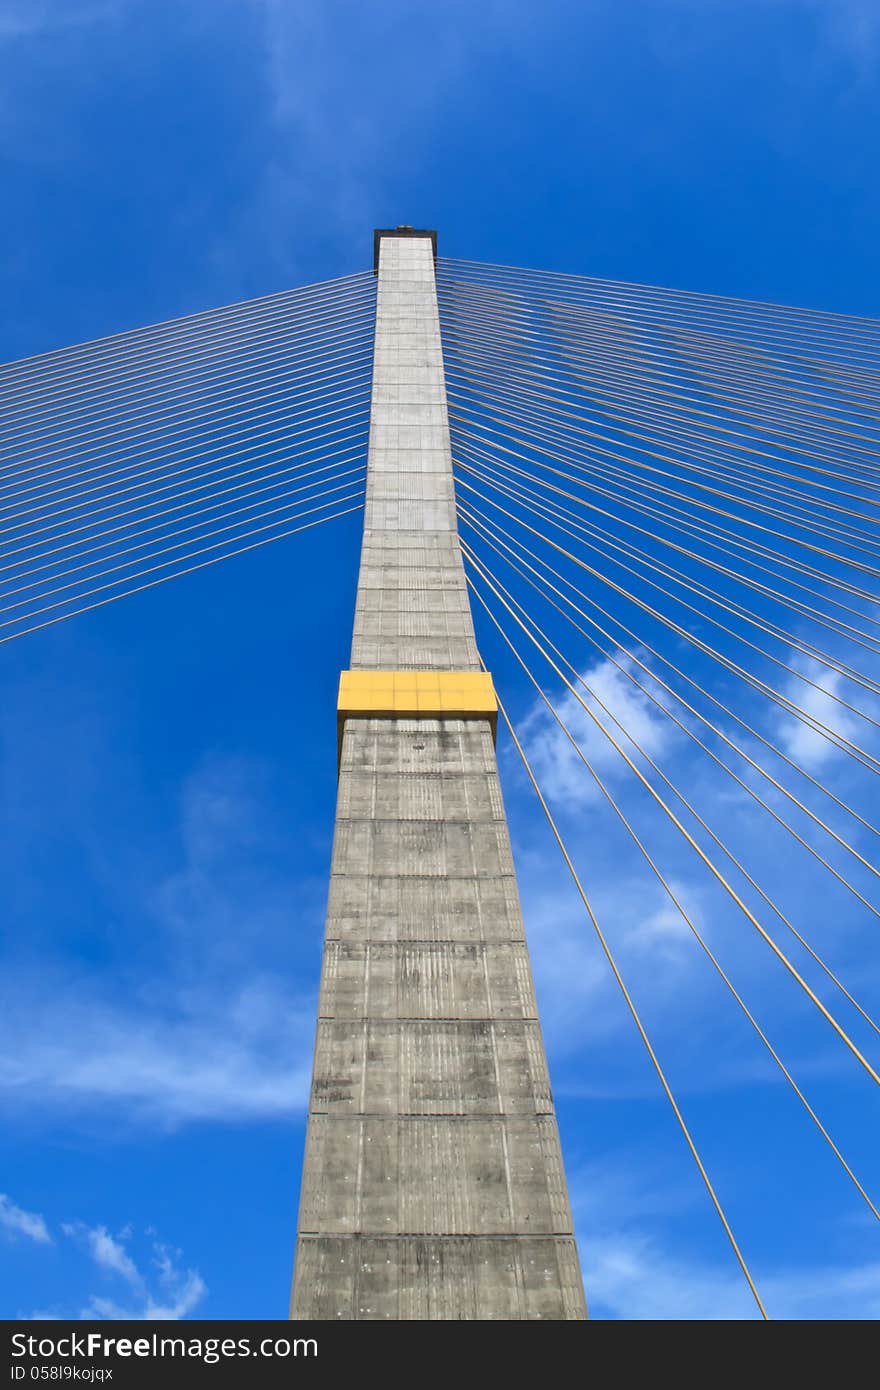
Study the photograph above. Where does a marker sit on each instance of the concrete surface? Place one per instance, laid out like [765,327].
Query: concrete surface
[433,1185]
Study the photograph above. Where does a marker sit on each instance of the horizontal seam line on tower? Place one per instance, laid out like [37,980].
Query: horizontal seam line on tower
[435,1235]
[451,878]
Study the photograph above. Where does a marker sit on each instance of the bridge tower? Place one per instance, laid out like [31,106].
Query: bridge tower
[433,1185]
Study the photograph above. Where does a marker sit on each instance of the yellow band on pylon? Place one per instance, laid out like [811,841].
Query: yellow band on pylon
[415,695]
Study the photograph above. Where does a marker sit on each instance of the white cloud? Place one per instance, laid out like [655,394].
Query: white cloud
[215,1023]
[228,1055]
[808,745]
[594,1050]
[107,1252]
[180,1302]
[663,928]
[338,80]
[629,1207]
[23,1223]
[632,1278]
[628,1277]
[178,1293]
[557,766]
[571,976]
[581,1005]
[22,18]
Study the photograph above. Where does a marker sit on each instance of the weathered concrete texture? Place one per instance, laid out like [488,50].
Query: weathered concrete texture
[423,1277]
[433,1184]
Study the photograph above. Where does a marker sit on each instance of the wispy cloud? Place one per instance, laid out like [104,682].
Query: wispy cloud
[229,1056]
[164,1289]
[106,1251]
[589,1032]
[216,1023]
[178,1301]
[853,28]
[166,1292]
[629,1211]
[581,1005]
[665,930]
[628,715]
[23,18]
[633,1278]
[17,1222]
[820,701]
[167,1295]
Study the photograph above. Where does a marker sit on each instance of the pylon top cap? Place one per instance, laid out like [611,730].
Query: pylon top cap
[404,230]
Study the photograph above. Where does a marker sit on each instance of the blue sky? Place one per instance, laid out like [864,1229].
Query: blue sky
[167,764]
